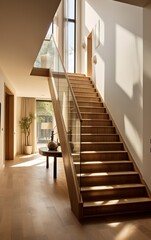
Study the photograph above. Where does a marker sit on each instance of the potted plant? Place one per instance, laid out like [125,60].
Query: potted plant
[25,124]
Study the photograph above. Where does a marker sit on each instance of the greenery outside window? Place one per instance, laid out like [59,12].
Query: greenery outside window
[44,110]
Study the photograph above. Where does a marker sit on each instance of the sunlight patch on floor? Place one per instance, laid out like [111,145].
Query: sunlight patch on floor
[38,162]
[127,232]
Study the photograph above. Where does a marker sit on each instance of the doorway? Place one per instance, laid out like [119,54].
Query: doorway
[9,124]
[89,55]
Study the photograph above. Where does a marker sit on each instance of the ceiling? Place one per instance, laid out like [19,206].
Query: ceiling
[23,26]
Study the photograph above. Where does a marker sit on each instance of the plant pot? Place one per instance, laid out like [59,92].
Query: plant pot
[28,149]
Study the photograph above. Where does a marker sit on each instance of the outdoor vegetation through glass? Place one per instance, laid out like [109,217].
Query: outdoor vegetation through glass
[44,111]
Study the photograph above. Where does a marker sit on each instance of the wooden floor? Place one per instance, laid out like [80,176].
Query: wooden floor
[33,206]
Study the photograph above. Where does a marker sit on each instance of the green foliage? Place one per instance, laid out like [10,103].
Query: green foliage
[25,124]
[44,108]
[44,111]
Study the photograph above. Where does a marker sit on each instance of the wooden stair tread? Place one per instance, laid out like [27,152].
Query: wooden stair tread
[107,174]
[92,126]
[94,152]
[84,86]
[88,107]
[102,142]
[99,134]
[87,92]
[76,75]
[84,96]
[102,162]
[79,77]
[98,126]
[94,113]
[101,120]
[117,201]
[79,101]
[121,186]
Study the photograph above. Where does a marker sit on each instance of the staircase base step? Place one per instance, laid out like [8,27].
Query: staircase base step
[117,206]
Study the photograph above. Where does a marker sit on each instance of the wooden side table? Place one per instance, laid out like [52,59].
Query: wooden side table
[44,151]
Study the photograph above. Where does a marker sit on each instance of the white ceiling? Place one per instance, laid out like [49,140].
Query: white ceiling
[23,26]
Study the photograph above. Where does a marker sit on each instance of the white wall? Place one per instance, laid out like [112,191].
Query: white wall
[119,69]
[147,95]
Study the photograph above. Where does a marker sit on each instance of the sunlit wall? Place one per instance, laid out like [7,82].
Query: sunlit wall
[147,95]
[117,30]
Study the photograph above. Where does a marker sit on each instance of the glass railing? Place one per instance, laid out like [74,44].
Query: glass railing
[49,57]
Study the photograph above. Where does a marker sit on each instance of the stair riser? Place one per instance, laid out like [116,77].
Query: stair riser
[83,89]
[109,180]
[99,195]
[95,116]
[90,104]
[100,138]
[92,110]
[86,93]
[104,156]
[82,80]
[101,147]
[98,123]
[122,167]
[86,99]
[117,209]
[103,130]
[87,85]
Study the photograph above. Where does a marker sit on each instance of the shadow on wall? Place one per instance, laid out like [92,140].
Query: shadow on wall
[121,55]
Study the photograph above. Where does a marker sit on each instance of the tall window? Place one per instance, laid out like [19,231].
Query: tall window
[70,35]
[44,49]
[44,120]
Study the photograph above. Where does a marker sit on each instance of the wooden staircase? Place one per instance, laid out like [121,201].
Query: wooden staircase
[110,183]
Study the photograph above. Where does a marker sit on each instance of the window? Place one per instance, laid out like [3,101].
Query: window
[44,49]
[70,35]
[44,122]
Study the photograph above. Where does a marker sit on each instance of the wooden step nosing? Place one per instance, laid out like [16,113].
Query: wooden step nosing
[112,187]
[116,202]
[98,108]
[100,134]
[94,113]
[103,162]
[96,119]
[102,152]
[97,126]
[102,143]
[107,174]
[87,102]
